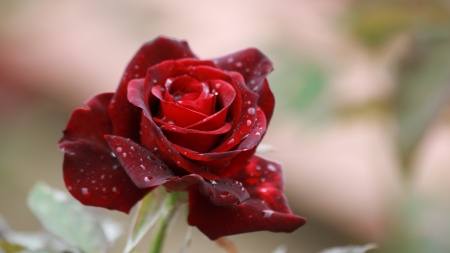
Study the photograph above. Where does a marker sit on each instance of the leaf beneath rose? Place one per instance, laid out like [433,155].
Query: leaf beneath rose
[351,249]
[67,219]
[147,213]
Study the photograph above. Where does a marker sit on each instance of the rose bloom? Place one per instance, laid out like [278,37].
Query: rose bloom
[188,125]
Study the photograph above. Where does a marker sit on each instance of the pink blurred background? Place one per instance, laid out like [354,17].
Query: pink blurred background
[362,123]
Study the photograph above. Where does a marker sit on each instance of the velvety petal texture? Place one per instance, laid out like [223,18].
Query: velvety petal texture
[92,173]
[266,209]
[187,125]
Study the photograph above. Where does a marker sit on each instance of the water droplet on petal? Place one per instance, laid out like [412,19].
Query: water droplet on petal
[257,133]
[217,85]
[238,64]
[267,213]
[104,190]
[142,167]
[231,141]
[251,110]
[85,192]
[224,194]
[132,148]
[119,149]
[69,188]
[213,182]
[271,167]
[124,154]
[148,178]
[116,190]
[249,122]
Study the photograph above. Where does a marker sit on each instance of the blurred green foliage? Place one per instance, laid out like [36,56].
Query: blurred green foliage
[376,21]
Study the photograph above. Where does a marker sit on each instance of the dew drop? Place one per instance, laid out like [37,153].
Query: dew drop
[249,102]
[258,167]
[155,81]
[170,122]
[124,154]
[112,154]
[231,141]
[104,190]
[102,176]
[142,167]
[115,166]
[249,122]
[257,133]
[230,60]
[85,192]
[178,162]
[243,189]
[251,110]
[217,85]
[238,64]
[93,181]
[168,82]
[69,188]
[116,190]
[148,178]
[272,167]
[213,182]
[267,213]
[132,148]
[151,158]
[224,194]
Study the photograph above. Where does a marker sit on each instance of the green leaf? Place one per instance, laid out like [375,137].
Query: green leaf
[351,249]
[67,219]
[10,247]
[146,214]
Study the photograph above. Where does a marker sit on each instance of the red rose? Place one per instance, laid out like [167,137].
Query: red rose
[189,125]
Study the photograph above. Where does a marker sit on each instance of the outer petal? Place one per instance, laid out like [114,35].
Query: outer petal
[254,67]
[143,167]
[126,117]
[223,192]
[266,209]
[92,174]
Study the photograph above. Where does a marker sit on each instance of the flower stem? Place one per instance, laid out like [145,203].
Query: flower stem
[163,224]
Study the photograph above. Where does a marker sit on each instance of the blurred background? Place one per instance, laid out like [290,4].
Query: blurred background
[362,123]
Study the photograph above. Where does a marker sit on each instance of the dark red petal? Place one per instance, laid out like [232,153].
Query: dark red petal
[264,180]
[224,192]
[185,183]
[267,208]
[252,215]
[92,174]
[200,141]
[124,115]
[143,167]
[153,138]
[243,112]
[254,66]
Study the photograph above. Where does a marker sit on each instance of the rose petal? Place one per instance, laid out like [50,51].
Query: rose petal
[251,215]
[153,138]
[91,173]
[254,66]
[200,141]
[224,192]
[267,208]
[185,183]
[126,117]
[243,111]
[264,180]
[143,167]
